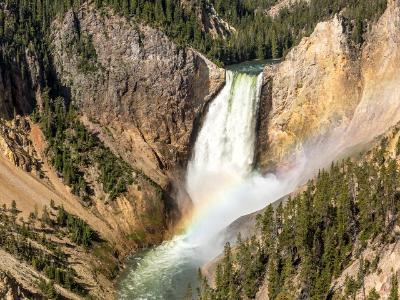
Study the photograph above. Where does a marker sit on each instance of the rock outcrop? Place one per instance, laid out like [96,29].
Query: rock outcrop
[379,103]
[16,145]
[213,24]
[145,94]
[274,10]
[328,91]
[10,289]
[312,90]
[385,263]
[142,95]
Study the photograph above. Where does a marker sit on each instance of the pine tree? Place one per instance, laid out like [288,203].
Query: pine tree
[394,290]
[14,210]
[46,216]
[373,295]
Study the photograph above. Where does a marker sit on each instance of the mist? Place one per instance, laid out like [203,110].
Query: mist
[223,197]
[224,187]
[220,180]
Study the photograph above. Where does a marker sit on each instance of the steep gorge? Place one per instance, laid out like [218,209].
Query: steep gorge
[327,100]
[145,98]
[326,90]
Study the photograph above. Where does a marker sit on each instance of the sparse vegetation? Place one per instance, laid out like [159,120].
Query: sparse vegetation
[373,295]
[30,244]
[394,290]
[73,149]
[79,231]
[87,54]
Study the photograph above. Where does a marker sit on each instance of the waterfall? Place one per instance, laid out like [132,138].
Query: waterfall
[221,185]
[223,155]
[226,140]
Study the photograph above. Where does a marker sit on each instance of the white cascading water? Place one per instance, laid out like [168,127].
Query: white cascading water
[226,140]
[223,156]
[222,187]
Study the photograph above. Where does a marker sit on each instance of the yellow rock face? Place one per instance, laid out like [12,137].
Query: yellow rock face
[324,86]
[379,105]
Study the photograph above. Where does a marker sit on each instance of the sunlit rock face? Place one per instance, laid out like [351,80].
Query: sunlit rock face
[314,89]
[379,105]
[327,87]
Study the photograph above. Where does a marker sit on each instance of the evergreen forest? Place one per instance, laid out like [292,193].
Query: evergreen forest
[25,24]
[306,242]
[29,241]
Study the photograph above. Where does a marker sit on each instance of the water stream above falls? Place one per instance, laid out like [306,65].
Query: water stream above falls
[222,186]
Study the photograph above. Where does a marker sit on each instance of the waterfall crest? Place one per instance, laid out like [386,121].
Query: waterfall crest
[225,144]
[226,140]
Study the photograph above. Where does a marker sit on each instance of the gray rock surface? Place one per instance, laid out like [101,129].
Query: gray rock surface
[146,95]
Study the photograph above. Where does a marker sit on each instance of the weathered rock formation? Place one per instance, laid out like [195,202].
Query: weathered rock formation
[325,85]
[274,10]
[385,262]
[10,289]
[313,89]
[16,145]
[146,94]
[379,104]
[214,24]
[141,94]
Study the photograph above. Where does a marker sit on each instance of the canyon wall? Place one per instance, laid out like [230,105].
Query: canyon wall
[138,91]
[144,94]
[326,86]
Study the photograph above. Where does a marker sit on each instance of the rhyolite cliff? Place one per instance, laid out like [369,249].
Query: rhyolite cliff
[141,94]
[330,94]
[145,93]
[328,90]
